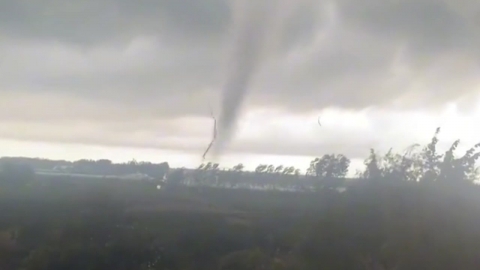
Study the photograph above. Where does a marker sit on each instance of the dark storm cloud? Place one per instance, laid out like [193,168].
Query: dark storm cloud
[429,25]
[91,22]
[147,60]
[354,60]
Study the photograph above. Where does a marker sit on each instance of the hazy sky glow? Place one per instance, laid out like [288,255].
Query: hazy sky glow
[122,80]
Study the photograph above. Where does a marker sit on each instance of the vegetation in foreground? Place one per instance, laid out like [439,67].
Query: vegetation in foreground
[417,211]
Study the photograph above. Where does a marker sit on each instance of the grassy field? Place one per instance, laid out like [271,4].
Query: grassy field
[60,222]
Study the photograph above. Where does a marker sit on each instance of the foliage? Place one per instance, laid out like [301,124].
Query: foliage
[329,166]
[426,166]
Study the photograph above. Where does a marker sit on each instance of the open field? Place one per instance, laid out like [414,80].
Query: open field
[83,223]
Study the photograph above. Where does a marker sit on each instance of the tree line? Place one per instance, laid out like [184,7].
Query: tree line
[416,164]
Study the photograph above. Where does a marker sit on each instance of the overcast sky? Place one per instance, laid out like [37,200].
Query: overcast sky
[143,74]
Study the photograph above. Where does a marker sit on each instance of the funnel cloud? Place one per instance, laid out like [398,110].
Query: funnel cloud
[142,74]
[256,31]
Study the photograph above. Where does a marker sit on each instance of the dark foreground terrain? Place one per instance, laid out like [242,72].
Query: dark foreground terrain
[67,223]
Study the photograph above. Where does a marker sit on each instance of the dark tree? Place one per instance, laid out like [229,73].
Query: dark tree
[329,170]
[329,166]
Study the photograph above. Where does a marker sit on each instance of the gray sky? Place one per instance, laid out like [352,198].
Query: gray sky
[144,73]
